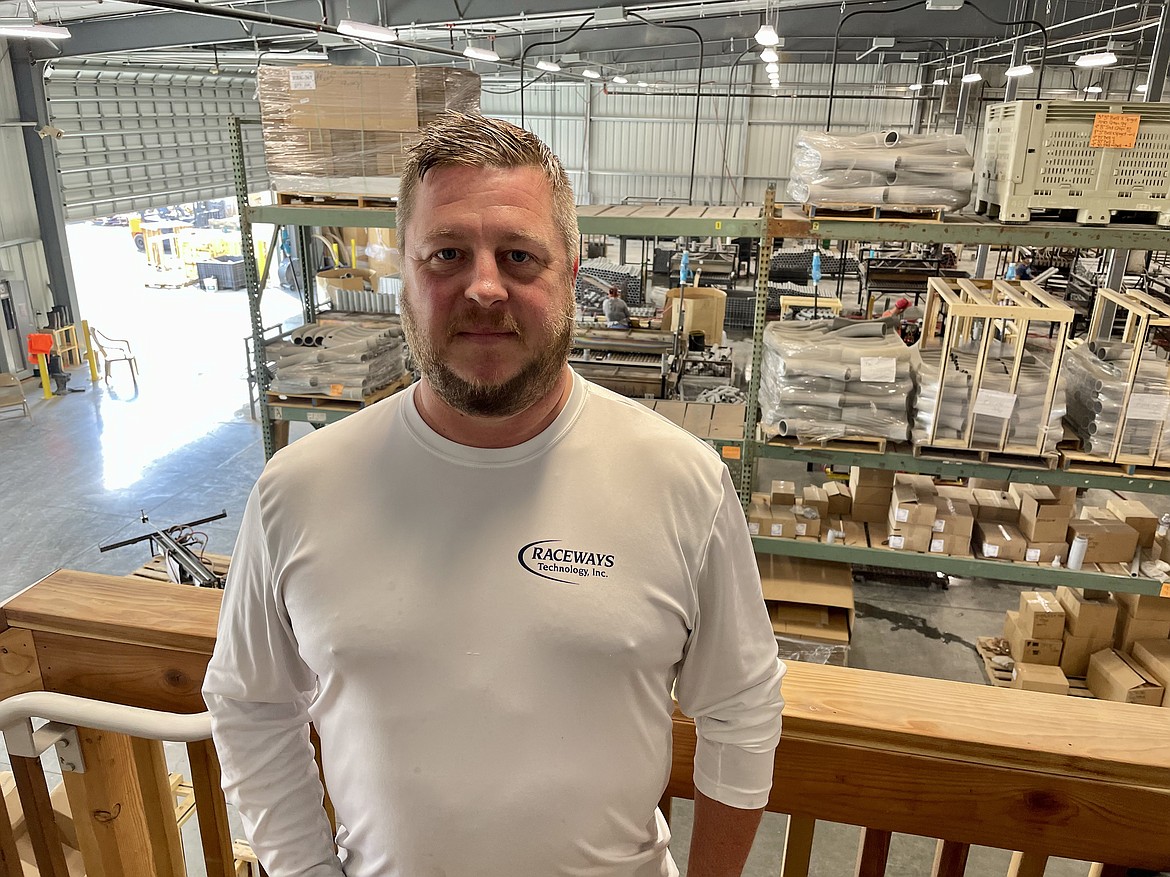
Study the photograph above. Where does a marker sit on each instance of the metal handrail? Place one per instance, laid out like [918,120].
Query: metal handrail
[68,709]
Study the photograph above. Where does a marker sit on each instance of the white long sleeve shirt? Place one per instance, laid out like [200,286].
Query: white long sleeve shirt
[487,641]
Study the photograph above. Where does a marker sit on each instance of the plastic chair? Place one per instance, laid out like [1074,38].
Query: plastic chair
[12,394]
[113,350]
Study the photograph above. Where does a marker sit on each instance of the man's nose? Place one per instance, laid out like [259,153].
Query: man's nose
[486,286]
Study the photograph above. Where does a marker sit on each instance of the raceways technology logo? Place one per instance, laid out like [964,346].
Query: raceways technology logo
[549,560]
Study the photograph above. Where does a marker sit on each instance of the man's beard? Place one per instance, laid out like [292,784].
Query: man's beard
[536,378]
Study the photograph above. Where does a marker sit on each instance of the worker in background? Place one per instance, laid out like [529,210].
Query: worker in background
[1024,268]
[897,310]
[615,310]
[493,692]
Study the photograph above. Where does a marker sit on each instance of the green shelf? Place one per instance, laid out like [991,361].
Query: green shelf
[904,460]
[966,567]
[304,414]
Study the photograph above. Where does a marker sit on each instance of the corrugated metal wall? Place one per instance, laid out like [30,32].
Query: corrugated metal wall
[138,138]
[24,262]
[639,144]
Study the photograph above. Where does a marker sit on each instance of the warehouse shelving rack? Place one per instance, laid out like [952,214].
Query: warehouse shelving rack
[767,223]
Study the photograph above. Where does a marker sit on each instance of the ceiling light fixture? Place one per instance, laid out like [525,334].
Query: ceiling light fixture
[1093,89]
[620,80]
[1019,70]
[769,56]
[365,31]
[1097,59]
[480,54]
[941,81]
[773,68]
[590,74]
[1141,89]
[36,31]
[642,84]
[767,36]
[550,66]
[972,77]
[915,86]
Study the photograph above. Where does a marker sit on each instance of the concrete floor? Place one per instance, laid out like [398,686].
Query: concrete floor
[181,446]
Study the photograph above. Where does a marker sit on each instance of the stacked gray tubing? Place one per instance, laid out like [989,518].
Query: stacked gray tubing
[819,380]
[343,362]
[1097,383]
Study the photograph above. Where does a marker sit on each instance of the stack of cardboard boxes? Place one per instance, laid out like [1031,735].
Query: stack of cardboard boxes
[811,606]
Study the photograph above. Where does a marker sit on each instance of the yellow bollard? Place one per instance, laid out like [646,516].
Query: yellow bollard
[43,364]
[89,354]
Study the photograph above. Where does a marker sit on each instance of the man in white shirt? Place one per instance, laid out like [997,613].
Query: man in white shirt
[482,612]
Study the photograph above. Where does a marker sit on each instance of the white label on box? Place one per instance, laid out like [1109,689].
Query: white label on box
[754,528]
[801,529]
[993,403]
[939,525]
[897,541]
[902,515]
[937,545]
[302,80]
[879,369]
[1032,555]
[777,529]
[990,550]
[1147,406]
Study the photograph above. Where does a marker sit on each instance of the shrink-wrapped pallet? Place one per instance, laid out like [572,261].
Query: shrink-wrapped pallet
[882,169]
[831,379]
[340,361]
[339,129]
[987,367]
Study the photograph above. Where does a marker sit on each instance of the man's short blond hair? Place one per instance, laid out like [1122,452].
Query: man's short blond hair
[461,139]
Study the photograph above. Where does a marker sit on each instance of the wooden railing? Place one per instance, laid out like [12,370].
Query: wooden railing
[1038,774]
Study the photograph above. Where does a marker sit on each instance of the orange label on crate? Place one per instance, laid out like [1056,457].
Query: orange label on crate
[336,389]
[1115,130]
[731,452]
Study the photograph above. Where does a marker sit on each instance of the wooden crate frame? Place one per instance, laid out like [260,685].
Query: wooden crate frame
[954,307]
[1143,315]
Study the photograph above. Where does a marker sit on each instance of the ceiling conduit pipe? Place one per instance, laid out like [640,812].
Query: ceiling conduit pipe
[524,55]
[1035,26]
[837,44]
[698,94]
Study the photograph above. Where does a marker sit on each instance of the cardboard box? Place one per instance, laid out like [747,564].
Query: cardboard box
[1032,495]
[1002,541]
[1109,541]
[1147,607]
[765,498]
[1096,513]
[1028,650]
[783,493]
[816,497]
[839,497]
[727,421]
[673,411]
[908,507]
[961,494]
[1154,657]
[859,477]
[922,484]
[807,521]
[1041,615]
[808,598]
[697,418]
[1046,552]
[1087,618]
[1047,529]
[1074,657]
[995,506]
[865,513]
[1114,676]
[1039,677]
[909,537]
[954,518]
[332,280]
[1129,630]
[783,523]
[996,484]
[759,518]
[873,496]
[703,311]
[951,544]
[1136,515]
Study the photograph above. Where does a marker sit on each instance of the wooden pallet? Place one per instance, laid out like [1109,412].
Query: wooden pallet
[339,199]
[862,443]
[874,211]
[156,569]
[990,647]
[977,455]
[332,403]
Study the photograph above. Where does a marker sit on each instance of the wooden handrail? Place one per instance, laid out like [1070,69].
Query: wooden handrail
[1034,773]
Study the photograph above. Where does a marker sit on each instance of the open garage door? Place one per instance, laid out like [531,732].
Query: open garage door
[137,138]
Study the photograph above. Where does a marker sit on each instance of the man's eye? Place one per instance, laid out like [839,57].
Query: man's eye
[447,254]
[519,256]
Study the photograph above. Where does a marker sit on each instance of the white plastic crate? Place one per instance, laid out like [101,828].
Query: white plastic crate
[1036,156]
